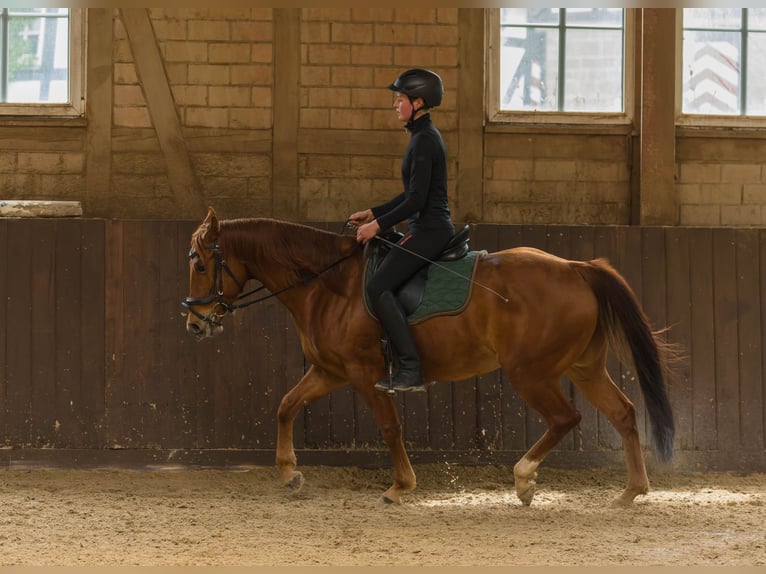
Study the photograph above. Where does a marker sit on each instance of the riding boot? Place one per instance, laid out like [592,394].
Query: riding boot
[392,318]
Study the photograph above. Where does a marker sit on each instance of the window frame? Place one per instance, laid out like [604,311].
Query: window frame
[710,121]
[75,107]
[494,115]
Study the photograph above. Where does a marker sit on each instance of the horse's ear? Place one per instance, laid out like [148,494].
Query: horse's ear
[212,226]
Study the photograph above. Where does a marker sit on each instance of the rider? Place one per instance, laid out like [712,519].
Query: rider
[424,203]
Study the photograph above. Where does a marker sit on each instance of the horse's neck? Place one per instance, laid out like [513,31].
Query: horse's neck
[281,254]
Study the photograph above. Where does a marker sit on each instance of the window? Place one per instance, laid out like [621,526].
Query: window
[723,55]
[41,61]
[559,62]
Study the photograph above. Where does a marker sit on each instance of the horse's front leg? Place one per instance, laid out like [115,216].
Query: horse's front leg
[387,419]
[315,384]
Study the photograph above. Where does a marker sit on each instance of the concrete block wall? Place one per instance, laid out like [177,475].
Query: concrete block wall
[721,181]
[235,85]
[348,58]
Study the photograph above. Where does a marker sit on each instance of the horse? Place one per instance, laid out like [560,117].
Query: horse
[540,317]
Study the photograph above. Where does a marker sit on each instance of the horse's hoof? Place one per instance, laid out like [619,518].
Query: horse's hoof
[621,502]
[385,501]
[296,482]
[527,496]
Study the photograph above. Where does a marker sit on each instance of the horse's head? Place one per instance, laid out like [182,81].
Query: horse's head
[214,283]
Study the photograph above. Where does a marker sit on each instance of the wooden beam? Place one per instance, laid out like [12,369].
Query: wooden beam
[470,113]
[99,112]
[658,205]
[162,109]
[287,65]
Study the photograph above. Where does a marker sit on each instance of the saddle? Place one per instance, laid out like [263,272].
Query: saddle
[411,294]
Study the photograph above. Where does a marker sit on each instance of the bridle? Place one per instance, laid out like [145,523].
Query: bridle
[216,287]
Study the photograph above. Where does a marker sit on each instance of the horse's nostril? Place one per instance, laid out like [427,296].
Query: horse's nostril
[193,328]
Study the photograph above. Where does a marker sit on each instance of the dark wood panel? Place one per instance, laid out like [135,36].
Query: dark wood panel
[18,373]
[750,348]
[679,324]
[703,353]
[5,332]
[726,353]
[94,353]
[49,322]
[67,278]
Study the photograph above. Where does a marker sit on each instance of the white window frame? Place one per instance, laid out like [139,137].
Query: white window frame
[76,105]
[497,116]
[704,120]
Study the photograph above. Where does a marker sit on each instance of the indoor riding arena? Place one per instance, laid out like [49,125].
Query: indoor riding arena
[637,136]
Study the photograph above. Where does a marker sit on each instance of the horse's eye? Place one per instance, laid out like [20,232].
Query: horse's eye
[199,267]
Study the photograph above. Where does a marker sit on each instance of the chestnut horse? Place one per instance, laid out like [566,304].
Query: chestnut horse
[553,317]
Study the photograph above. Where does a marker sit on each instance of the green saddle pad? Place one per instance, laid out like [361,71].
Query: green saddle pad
[447,288]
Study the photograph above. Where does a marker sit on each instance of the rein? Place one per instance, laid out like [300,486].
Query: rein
[216,288]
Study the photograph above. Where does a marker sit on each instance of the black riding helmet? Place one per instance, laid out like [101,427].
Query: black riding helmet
[420,83]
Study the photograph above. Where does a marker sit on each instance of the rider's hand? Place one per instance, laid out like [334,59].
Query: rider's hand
[361,217]
[367,231]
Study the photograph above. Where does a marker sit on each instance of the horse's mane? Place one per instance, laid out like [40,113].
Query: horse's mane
[300,250]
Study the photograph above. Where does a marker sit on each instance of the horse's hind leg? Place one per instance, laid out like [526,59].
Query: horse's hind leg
[559,414]
[596,385]
[315,384]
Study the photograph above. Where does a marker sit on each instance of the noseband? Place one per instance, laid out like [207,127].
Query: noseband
[216,289]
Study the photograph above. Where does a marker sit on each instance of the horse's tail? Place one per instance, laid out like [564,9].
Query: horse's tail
[627,328]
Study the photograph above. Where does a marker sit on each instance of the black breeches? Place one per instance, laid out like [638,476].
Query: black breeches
[398,266]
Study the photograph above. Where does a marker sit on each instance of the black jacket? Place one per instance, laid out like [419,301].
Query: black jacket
[424,176]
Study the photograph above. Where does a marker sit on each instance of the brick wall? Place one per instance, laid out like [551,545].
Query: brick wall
[348,57]
[220,66]
[721,181]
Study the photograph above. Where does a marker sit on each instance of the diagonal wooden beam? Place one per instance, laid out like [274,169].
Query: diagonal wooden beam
[162,109]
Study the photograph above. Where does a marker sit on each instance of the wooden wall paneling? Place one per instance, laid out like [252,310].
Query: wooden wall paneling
[750,339]
[18,343]
[464,413]
[92,320]
[416,419]
[725,277]
[5,333]
[113,322]
[679,323]
[762,276]
[582,240]
[343,416]
[173,284]
[50,320]
[440,420]
[703,340]
[513,408]
[140,343]
[261,362]
[69,344]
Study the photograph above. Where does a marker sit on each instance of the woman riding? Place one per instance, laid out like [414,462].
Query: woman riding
[424,204]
